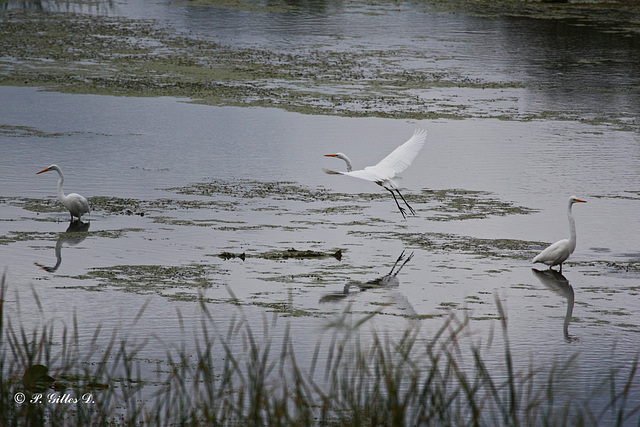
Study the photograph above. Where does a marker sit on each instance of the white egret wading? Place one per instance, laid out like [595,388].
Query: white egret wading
[386,172]
[75,203]
[558,253]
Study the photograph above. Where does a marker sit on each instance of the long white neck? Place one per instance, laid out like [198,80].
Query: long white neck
[572,228]
[61,195]
[347,161]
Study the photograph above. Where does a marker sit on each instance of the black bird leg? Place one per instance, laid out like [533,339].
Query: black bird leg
[405,202]
[402,210]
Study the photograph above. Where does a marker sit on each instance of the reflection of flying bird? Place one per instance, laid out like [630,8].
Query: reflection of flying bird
[562,249]
[388,280]
[75,234]
[386,172]
[75,203]
[559,284]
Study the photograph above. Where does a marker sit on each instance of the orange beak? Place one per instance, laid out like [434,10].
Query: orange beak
[581,201]
[43,170]
[330,155]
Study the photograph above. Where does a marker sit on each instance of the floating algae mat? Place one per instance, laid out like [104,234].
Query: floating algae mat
[448,204]
[156,279]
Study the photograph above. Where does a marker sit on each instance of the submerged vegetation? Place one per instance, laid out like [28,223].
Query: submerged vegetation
[151,279]
[105,55]
[246,376]
[457,204]
[233,195]
[440,205]
[81,53]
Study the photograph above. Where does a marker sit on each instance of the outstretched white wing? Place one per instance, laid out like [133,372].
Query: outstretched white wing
[400,158]
[395,163]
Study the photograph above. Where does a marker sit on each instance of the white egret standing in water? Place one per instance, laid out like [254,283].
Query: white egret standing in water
[75,203]
[562,249]
[386,172]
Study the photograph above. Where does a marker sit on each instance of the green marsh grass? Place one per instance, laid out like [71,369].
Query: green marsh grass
[242,376]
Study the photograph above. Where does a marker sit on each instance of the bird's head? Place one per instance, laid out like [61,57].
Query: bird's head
[338,156]
[52,167]
[343,157]
[574,199]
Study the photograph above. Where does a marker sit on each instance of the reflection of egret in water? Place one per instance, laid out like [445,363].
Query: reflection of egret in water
[74,234]
[556,282]
[389,281]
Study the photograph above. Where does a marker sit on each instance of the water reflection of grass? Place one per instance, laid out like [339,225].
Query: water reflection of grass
[244,376]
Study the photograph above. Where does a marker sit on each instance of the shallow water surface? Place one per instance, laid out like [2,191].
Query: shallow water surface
[230,206]
[185,205]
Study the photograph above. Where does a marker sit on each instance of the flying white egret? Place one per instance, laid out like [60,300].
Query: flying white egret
[76,204]
[562,249]
[386,172]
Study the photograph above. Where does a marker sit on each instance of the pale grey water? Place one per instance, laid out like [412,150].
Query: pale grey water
[139,147]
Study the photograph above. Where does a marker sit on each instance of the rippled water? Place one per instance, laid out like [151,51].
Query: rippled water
[146,149]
